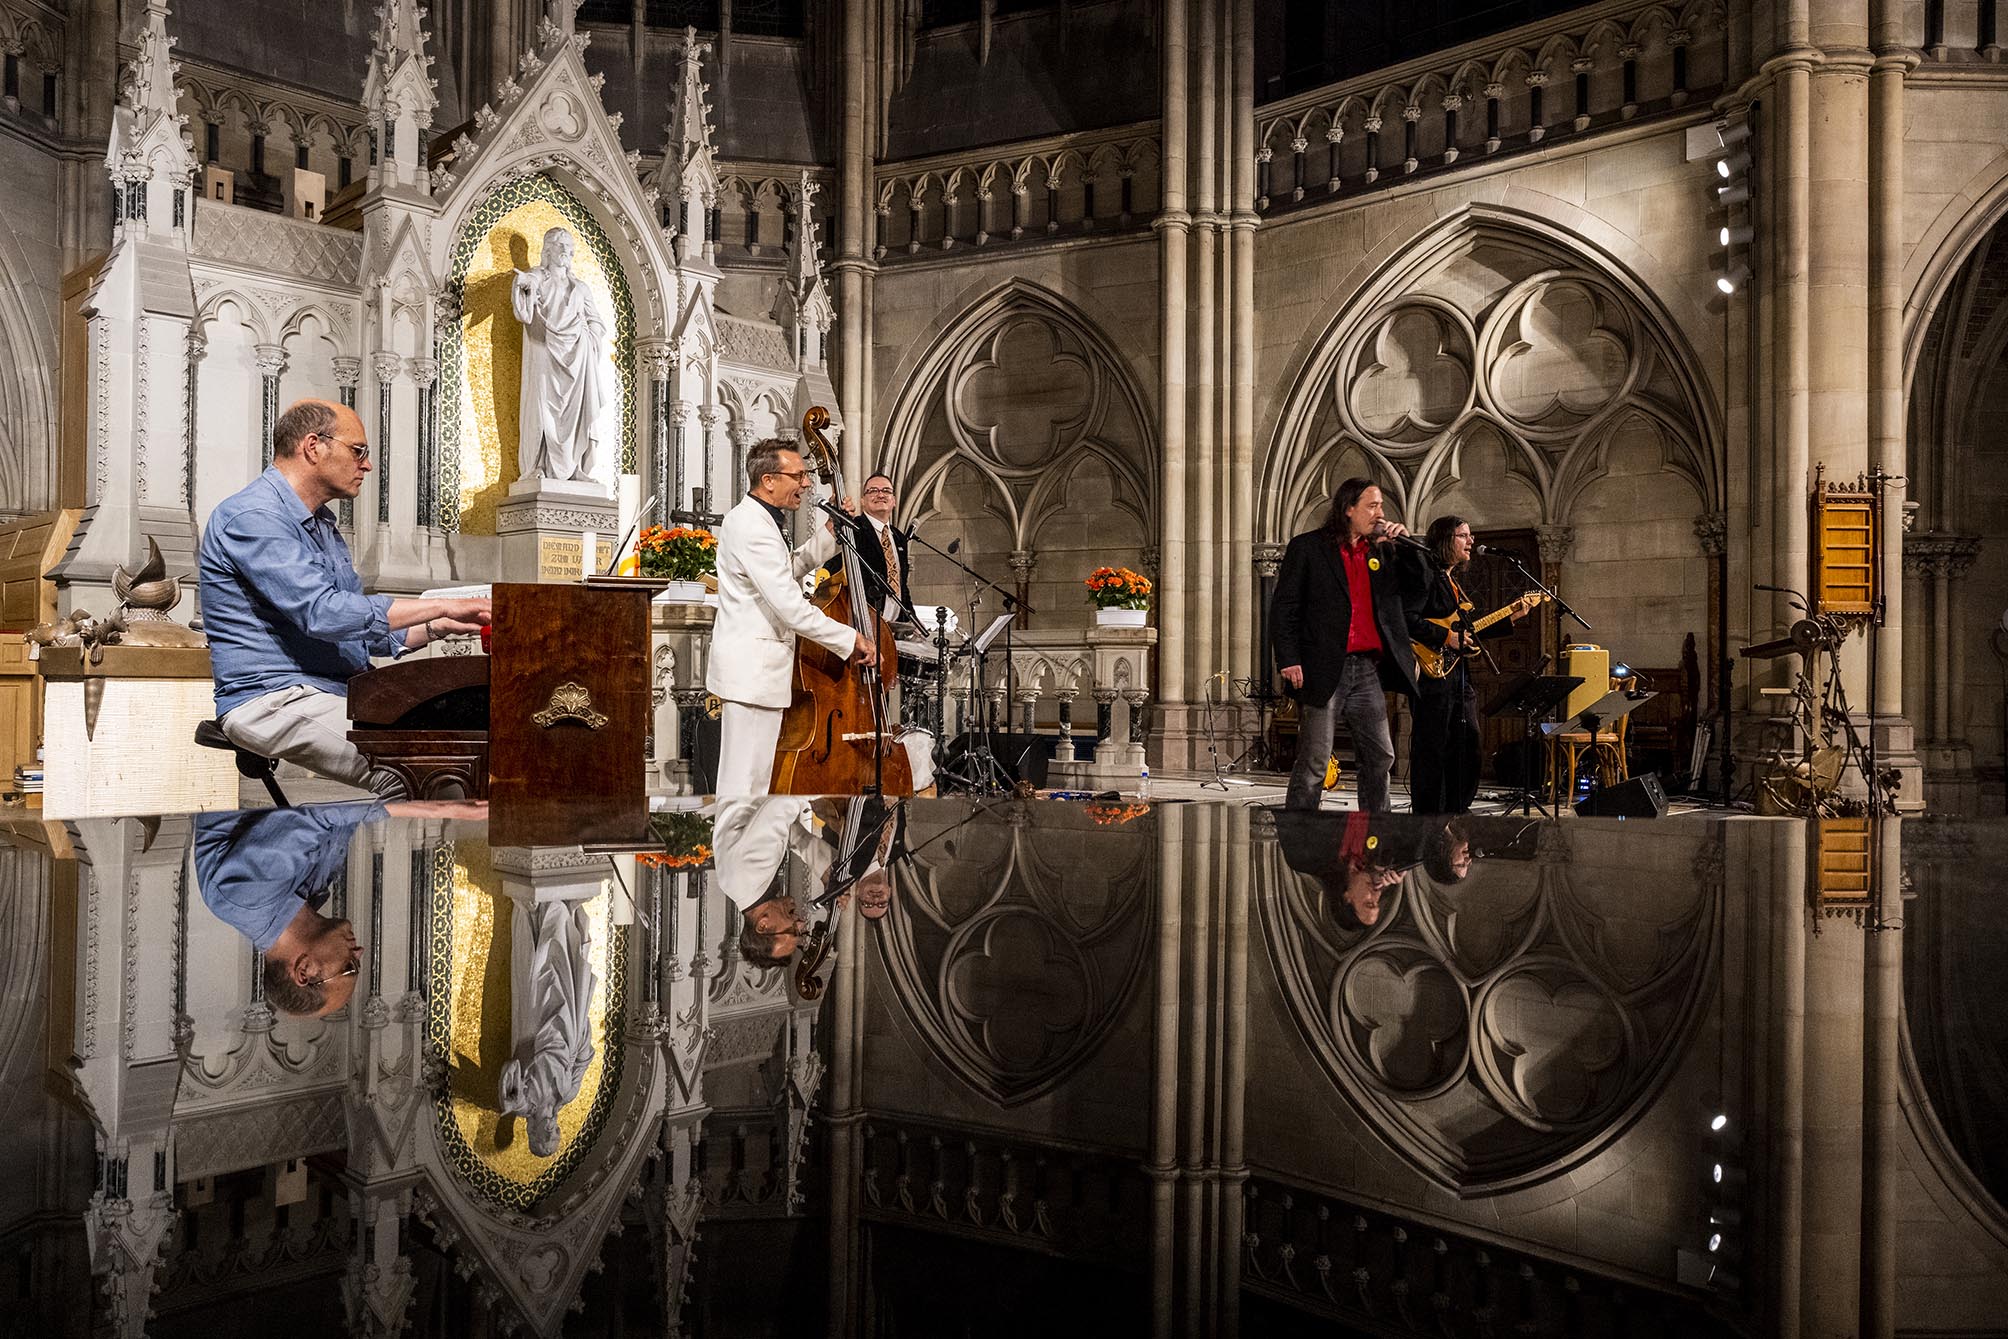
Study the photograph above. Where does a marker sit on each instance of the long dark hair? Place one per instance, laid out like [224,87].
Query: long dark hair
[1438,539]
[1336,527]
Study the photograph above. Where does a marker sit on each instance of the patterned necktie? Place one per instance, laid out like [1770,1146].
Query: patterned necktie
[891,560]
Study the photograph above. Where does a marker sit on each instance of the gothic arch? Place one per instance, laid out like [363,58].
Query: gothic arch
[1565,347]
[27,401]
[1093,404]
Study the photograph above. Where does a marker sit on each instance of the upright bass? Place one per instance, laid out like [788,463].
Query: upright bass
[838,737]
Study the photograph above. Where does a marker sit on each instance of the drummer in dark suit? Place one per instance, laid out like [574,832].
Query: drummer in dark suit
[882,551]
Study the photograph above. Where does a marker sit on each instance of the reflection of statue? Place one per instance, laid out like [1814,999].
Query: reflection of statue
[565,389]
[551,991]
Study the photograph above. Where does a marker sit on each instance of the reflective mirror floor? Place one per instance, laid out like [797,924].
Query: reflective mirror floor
[788,1067]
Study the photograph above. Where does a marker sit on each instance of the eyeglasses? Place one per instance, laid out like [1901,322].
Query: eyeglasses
[353,967]
[361,450]
[788,474]
[878,492]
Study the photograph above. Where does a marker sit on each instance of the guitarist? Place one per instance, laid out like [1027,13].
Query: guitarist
[1444,739]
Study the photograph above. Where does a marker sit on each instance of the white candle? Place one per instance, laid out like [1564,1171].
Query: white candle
[589,548]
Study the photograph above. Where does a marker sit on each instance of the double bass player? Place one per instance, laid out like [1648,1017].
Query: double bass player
[761,612]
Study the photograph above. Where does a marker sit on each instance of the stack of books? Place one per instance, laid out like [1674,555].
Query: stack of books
[28,780]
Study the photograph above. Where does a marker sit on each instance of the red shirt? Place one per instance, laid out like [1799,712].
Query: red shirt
[1361,633]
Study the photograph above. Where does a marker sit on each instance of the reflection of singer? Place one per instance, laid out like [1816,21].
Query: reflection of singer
[761,611]
[882,552]
[1340,634]
[1444,736]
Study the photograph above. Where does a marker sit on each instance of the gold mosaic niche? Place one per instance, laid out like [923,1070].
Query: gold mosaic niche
[492,349]
[481,1031]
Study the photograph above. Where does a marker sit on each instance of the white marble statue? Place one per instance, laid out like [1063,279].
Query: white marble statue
[566,389]
[551,986]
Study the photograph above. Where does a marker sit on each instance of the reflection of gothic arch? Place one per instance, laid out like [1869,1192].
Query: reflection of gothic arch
[1499,1032]
[997,907]
[1657,386]
[1113,424]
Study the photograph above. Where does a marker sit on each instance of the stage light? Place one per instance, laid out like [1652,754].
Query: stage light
[1720,1122]
[1734,278]
[1714,1242]
[1735,193]
[1728,166]
[1732,133]
[1739,234]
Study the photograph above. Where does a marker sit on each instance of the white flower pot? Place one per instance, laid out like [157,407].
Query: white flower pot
[1122,618]
[683,592]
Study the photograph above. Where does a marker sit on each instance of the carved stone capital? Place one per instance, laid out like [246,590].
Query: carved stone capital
[348,372]
[1712,529]
[384,366]
[1268,559]
[1555,542]
[271,359]
[423,371]
[1940,555]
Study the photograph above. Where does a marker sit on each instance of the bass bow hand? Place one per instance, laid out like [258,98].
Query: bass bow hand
[865,653]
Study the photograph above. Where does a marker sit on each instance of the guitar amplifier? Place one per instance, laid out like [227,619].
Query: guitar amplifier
[1591,664]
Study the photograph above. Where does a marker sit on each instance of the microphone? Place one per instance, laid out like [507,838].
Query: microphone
[1380,536]
[1482,550]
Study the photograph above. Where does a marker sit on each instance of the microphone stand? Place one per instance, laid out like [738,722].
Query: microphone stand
[1562,607]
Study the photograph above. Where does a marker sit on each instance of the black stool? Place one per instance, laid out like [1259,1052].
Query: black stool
[210,735]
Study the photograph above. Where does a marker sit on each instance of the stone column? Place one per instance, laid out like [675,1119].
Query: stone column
[742,438]
[195,345]
[1712,530]
[348,376]
[1064,750]
[384,366]
[424,374]
[1555,542]
[709,418]
[854,265]
[654,470]
[1174,224]
[271,360]
[1201,594]
[1023,561]
[679,446]
[1028,708]
[1242,607]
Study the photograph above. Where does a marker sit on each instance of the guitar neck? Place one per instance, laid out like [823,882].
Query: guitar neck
[1479,625]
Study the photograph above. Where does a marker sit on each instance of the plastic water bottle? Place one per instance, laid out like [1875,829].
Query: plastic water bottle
[1143,782]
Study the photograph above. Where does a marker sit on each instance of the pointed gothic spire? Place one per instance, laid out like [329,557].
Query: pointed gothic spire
[149,162]
[803,306]
[689,169]
[400,95]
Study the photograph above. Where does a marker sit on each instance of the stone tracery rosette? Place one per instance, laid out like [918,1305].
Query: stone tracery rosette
[1503,1030]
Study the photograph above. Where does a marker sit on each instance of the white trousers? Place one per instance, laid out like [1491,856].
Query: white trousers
[300,725]
[746,739]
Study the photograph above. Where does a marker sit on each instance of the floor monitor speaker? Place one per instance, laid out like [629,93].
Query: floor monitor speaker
[1640,797]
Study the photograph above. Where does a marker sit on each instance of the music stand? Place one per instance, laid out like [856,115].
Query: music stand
[1531,696]
[982,773]
[1604,713]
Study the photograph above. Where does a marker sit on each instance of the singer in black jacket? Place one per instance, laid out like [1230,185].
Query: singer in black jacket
[887,588]
[1444,741]
[1339,654]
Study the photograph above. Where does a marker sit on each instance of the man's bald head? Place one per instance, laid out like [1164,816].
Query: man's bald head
[304,419]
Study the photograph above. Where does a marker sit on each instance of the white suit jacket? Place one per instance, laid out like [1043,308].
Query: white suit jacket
[761,608]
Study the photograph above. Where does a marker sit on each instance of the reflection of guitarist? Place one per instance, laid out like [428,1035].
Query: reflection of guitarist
[1444,738]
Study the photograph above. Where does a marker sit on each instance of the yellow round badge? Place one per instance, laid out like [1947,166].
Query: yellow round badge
[1373,564]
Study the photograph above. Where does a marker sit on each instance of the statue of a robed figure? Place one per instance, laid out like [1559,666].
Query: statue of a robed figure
[565,386]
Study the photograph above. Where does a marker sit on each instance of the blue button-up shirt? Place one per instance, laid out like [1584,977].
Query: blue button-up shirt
[281,601]
[254,869]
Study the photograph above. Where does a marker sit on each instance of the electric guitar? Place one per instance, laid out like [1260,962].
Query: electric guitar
[1438,661]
